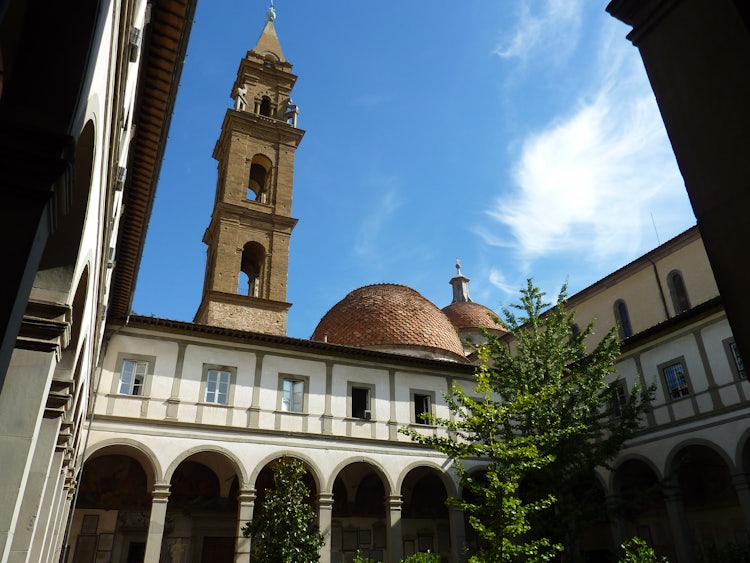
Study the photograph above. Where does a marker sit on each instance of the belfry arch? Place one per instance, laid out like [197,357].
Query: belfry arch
[252,266]
[255,152]
[258,184]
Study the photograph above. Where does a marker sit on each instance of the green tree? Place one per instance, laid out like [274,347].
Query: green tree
[285,529]
[544,419]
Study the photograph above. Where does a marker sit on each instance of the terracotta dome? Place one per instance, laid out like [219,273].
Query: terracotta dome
[467,314]
[390,317]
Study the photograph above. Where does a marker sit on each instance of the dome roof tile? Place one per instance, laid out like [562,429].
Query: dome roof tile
[388,315]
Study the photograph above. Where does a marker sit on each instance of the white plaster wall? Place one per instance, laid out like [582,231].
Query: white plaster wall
[713,339]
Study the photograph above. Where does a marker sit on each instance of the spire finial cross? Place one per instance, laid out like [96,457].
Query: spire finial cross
[458,267]
[271,13]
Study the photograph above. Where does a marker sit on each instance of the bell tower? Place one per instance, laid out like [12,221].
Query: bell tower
[248,237]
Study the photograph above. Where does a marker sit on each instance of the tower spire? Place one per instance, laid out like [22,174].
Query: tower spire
[460,285]
[248,237]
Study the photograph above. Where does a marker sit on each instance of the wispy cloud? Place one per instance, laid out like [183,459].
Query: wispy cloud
[543,26]
[369,240]
[497,279]
[588,181]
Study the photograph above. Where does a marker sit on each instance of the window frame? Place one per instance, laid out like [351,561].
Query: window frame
[351,386]
[430,396]
[624,324]
[734,358]
[678,292]
[619,399]
[304,381]
[145,387]
[204,388]
[665,379]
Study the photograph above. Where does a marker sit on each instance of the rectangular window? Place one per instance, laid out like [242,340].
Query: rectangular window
[217,386]
[422,406]
[738,363]
[292,395]
[676,379]
[361,403]
[132,377]
[619,399]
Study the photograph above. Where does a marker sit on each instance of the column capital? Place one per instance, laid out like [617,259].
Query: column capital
[160,492]
[394,502]
[246,496]
[325,500]
[672,493]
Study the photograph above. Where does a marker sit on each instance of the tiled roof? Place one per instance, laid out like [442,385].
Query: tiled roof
[467,314]
[388,315]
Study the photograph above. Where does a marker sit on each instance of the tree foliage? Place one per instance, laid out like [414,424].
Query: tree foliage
[285,529]
[541,417]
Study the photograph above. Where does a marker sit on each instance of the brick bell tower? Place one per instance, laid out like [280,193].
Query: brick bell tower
[248,238]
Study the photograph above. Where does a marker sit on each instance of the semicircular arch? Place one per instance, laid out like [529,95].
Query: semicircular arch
[233,460]
[451,487]
[700,442]
[310,465]
[378,468]
[144,455]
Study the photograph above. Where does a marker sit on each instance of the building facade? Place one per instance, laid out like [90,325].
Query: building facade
[86,90]
[129,438]
[188,417]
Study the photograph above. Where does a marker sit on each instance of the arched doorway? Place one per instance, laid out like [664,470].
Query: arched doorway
[113,507]
[201,524]
[425,525]
[640,507]
[359,514]
[713,512]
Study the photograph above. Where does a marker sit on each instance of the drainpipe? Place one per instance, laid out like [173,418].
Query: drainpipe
[661,289]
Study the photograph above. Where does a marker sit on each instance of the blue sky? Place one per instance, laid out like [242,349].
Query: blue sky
[519,136]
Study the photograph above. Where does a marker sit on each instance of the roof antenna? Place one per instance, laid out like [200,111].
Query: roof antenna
[658,242]
[271,13]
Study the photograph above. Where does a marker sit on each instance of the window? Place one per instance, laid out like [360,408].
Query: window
[132,377]
[361,403]
[422,404]
[675,377]
[253,257]
[217,386]
[677,291]
[735,360]
[618,399]
[265,106]
[623,319]
[292,395]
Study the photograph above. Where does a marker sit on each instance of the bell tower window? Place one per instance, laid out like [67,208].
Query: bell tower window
[265,106]
[253,256]
[258,182]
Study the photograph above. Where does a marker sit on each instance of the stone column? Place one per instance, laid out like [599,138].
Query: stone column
[160,496]
[679,524]
[742,488]
[458,534]
[30,513]
[21,406]
[325,512]
[395,537]
[246,505]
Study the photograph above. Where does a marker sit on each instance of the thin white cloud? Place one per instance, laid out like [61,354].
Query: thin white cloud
[589,181]
[549,26]
[498,280]
[368,241]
